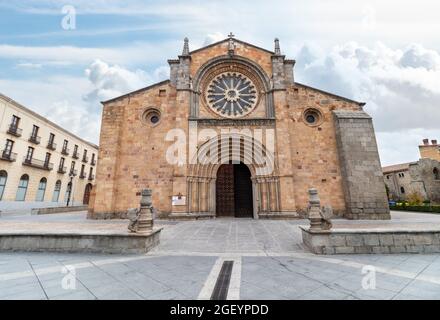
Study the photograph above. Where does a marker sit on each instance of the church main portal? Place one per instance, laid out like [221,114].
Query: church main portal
[234,191]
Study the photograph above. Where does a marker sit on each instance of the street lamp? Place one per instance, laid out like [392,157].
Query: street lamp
[71,175]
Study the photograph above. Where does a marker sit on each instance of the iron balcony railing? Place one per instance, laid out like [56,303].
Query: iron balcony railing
[73,172]
[35,139]
[91,177]
[62,170]
[75,155]
[45,165]
[93,162]
[85,159]
[8,155]
[51,145]
[15,130]
[65,151]
[82,175]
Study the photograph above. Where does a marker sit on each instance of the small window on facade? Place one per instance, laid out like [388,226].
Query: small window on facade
[436,174]
[162,93]
[151,117]
[312,117]
[402,189]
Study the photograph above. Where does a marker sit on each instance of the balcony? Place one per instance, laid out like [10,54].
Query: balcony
[93,162]
[75,155]
[39,164]
[82,175]
[91,177]
[35,139]
[14,130]
[73,173]
[65,151]
[85,159]
[8,156]
[51,145]
[62,170]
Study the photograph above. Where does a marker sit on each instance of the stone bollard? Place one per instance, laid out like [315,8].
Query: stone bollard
[314,212]
[145,222]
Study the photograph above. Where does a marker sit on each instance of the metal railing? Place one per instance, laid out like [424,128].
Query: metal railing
[65,151]
[35,139]
[85,159]
[15,130]
[45,165]
[51,145]
[91,177]
[62,170]
[8,155]
[75,155]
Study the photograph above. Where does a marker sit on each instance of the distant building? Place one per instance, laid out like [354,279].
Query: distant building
[38,159]
[421,177]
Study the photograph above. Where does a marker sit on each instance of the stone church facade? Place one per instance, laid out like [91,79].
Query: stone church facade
[249,142]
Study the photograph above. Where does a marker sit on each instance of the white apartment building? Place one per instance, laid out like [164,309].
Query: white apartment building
[41,164]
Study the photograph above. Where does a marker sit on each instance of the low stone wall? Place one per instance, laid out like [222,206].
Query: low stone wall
[38,211]
[91,243]
[371,241]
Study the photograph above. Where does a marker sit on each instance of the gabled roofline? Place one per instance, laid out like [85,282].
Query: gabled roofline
[236,40]
[33,113]
[137,91]
[398,167]
[361,104]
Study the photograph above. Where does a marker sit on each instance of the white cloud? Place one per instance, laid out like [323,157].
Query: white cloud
[71,55]
[29,65]
[400,86]
[213,37]
[112,81]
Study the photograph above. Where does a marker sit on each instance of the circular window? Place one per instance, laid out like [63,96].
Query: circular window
[151,117]
[232,95]
[312,117]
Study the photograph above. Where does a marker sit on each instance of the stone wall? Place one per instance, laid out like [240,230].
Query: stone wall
[365,241]
[423,179]
[364,186]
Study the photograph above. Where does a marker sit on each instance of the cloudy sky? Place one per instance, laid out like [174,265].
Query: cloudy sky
[384,53]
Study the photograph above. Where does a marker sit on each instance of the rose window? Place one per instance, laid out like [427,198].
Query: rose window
[231,95]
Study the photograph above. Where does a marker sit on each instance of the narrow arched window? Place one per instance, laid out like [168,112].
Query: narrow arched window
[3,179]
[22,188]
[436,174]
[41,190]
[56,192]
[402,189]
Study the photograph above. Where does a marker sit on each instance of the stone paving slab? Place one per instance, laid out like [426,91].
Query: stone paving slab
[273,265]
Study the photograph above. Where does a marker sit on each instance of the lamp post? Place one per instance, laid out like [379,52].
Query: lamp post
[71,175]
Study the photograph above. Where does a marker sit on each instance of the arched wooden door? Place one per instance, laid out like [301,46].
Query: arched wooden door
[87,192]
[234,191]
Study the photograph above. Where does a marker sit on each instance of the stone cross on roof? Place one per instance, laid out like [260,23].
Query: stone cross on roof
[231,48]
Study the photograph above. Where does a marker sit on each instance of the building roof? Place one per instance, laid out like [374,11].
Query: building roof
[157,84]
[25,109]
[361,104]
[235,40]
[397,167]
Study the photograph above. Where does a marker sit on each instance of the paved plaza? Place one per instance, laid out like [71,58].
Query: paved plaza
[269,263]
